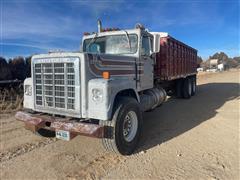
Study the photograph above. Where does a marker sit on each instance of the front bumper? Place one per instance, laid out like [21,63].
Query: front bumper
[34,122]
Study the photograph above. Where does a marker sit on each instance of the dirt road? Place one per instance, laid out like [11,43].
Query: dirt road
[182,139]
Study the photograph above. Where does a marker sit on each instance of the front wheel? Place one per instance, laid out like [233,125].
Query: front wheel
[123,131]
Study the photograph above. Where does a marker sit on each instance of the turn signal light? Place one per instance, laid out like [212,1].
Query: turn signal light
[110,29]
[106,75]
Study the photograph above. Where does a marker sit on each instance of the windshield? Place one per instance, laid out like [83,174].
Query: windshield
[114,44]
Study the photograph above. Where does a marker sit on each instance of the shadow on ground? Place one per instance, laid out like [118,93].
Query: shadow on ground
[176,116]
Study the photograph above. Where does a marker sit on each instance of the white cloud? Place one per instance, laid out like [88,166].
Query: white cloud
[25,45]
[22,21]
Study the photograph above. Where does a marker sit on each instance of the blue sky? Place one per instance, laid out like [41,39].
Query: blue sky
[37,26]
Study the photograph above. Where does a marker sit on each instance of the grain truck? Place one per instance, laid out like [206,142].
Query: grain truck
[103,90]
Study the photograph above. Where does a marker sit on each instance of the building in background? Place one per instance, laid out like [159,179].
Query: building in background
[216,65]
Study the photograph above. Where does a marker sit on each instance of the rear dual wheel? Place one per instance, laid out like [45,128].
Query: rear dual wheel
[194,85]
[185,88]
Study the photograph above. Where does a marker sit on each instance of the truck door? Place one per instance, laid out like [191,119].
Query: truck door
[146,79]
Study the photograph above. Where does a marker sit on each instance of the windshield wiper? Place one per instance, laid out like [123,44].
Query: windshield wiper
[129,44]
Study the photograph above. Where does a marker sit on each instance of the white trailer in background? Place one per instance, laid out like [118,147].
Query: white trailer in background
[220,67]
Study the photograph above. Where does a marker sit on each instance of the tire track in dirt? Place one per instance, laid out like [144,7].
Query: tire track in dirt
[7,135]
[23,149]
[15,135]
[98,167]
[215,167]
[10,130]
[7,122]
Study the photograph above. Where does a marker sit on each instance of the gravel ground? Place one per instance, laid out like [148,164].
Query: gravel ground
[182,139]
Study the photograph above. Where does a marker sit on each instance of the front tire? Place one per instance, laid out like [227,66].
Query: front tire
[123,131]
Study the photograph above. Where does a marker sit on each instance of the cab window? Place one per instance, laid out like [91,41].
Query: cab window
[145,51]
[112,44]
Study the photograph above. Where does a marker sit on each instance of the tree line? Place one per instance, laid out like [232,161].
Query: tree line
[17,68]
[222,58]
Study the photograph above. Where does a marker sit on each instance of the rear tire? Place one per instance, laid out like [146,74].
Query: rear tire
[179,87]
[194,85]
[123,131]
[187,88]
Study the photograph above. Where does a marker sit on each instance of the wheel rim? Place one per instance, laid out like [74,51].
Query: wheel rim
[130,126]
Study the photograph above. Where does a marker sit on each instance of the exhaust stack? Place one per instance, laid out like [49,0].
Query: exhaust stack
[99,26]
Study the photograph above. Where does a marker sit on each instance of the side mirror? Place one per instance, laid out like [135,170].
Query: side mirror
[156,43]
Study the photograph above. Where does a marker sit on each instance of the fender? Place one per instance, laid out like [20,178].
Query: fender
[107,89]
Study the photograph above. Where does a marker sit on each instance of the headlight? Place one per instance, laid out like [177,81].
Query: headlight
[97,95]
[28,90]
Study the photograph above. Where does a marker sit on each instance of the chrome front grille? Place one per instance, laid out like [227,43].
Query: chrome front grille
[55,85]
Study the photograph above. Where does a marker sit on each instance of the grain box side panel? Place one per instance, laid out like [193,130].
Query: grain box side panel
[175,59]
